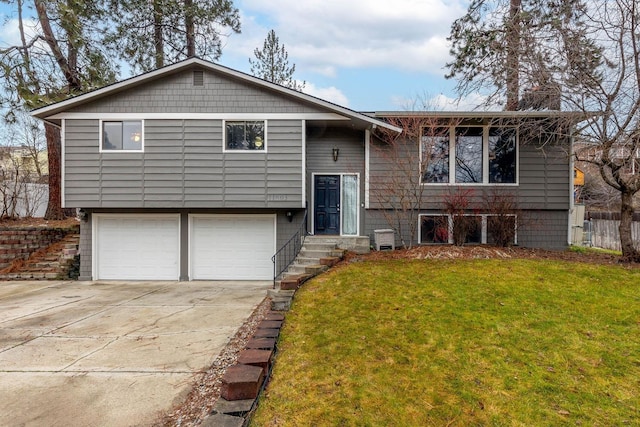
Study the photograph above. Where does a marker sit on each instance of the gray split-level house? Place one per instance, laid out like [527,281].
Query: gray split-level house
[197,171]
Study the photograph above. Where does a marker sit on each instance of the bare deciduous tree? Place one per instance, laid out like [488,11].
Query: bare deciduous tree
[614,133]
[23,168]
[59,58]
[405,159]
[588,54]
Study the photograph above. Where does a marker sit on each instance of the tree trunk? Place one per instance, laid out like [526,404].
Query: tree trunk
[157,34]
[54,208]
[70,74]
[629,252]
[190,28]
[513,56]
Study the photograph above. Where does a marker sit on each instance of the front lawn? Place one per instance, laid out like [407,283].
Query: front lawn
[460,343]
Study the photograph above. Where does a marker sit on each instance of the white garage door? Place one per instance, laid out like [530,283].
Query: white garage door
[136,247]
[236,247]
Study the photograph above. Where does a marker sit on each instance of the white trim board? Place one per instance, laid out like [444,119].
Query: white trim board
[200,116]
[313,202]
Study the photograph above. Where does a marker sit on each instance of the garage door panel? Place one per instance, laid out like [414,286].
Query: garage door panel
[137,247]
[232,248]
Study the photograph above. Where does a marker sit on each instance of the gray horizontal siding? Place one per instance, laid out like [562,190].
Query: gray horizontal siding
[544,179]
[183,165]
[320,144]
[545,229]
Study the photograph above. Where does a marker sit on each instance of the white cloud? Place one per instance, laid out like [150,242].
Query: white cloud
[471,102]
[331,94]
[323,35]
[10,31]
[441,102]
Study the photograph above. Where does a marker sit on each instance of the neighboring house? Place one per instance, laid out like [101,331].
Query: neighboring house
[578,184]
[31,163]
[196,171]
[23,177]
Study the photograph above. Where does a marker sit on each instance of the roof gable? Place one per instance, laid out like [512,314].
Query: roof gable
[231,90]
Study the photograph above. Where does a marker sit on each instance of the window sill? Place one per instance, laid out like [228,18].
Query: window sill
[469,184]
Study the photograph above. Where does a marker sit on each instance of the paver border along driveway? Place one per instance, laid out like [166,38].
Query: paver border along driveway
[111,353]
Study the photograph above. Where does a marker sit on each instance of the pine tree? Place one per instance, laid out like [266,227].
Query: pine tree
[522,50]
[567,53]
[63,59]
[149,34]
[272,63]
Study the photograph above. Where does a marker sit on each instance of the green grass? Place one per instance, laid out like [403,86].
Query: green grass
[460,343]
[587,250]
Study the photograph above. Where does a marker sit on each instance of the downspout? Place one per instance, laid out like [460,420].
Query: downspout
[367,142]
[63,135]
[571,188]
[303,188]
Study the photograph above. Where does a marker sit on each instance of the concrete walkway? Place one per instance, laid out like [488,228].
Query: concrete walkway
[111,353]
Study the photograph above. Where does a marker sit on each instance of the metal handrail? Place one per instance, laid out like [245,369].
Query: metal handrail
[284,256]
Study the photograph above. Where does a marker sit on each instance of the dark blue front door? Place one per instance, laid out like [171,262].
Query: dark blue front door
[327,204]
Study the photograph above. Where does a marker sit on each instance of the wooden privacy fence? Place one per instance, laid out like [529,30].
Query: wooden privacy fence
[604,230]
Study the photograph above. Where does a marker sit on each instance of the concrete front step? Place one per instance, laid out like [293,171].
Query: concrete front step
[318,245]
[318,254]
[306,268]
[358,244]
[307,260]
[307,253]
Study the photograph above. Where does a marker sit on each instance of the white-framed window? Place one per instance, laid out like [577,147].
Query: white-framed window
[469,155]
[434,151]
[470,228]
[434,229]
[245,135]
[503,143]
[121,135]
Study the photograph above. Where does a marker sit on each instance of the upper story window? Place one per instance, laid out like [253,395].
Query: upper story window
[502,155]
[469,155]
[245,135]
[435,155]
[123,135]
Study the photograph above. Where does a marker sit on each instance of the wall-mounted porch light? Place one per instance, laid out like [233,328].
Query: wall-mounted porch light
[289,215]
[336,151]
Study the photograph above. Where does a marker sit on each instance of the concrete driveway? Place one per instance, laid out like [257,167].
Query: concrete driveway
[111,353]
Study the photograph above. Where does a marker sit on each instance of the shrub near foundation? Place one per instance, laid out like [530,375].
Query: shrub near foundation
[465,342]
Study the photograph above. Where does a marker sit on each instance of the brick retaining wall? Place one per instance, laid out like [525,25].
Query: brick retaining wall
[21,242]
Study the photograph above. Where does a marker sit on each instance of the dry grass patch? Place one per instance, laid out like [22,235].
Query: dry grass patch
[460,343]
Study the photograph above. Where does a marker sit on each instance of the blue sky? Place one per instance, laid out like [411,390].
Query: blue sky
[368,55]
